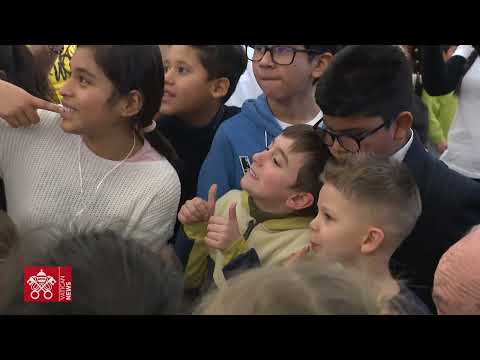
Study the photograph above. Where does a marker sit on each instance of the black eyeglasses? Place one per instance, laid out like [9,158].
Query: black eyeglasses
[351,143]
[281,55]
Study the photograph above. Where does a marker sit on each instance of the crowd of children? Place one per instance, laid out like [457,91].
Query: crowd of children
[317,196]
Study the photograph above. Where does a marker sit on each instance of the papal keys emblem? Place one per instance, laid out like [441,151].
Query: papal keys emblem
[41,284]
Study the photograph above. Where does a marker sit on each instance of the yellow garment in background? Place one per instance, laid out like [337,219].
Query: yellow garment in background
[60,71]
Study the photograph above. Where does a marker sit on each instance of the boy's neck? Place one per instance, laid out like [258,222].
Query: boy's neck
[113,146]
[296,110]
[261,215]
[203,117]
[274,211]
[377,270]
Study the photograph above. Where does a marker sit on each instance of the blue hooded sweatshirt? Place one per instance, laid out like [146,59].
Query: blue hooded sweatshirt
[234,144]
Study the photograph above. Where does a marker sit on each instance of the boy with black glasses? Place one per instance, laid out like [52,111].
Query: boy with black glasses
[366,95]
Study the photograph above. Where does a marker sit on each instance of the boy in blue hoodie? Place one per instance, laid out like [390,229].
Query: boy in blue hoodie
[287,75]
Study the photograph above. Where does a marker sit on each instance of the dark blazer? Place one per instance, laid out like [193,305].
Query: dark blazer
[450,208]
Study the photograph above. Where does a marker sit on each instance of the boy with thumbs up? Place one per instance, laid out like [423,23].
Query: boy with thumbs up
[266,222]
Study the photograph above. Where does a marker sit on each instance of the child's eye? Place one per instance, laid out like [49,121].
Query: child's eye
[82,80]
[182,70]
[327,216]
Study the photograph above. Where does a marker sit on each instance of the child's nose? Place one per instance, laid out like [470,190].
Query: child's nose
[336,148]
[169,76]
[66,89]
[314,223]
[267,59]
[259,157]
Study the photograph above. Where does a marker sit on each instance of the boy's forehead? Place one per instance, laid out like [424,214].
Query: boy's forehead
[329,197]
[283,142]
[288,146]
[182,53]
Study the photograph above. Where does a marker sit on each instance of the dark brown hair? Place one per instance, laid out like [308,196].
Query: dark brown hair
[229,61]
[21,69]
[137,67]
[308,141]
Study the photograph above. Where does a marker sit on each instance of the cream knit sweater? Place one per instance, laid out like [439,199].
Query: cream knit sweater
[39,166]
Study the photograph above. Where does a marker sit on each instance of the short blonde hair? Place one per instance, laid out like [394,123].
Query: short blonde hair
[384,185]
[308,288]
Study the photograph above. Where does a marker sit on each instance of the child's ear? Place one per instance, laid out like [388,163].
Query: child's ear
[403,124]
[219,87]
[299,201]
[132,104]
[372,241]
[321,63]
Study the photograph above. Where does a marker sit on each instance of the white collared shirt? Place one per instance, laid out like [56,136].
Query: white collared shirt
[400,154]
[464,51]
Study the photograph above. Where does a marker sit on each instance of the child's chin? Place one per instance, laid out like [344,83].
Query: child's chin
[167,109]
[68,127]
[246,185]
[243,185]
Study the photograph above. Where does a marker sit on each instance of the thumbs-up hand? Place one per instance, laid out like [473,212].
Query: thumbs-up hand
[223,232]
[211,200]
[198,210]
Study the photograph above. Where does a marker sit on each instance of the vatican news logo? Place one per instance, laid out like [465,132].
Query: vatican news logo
[47,284]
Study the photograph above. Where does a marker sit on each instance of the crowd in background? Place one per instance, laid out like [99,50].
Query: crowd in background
[232,179]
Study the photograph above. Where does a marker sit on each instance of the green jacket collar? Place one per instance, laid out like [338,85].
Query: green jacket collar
[274,222]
